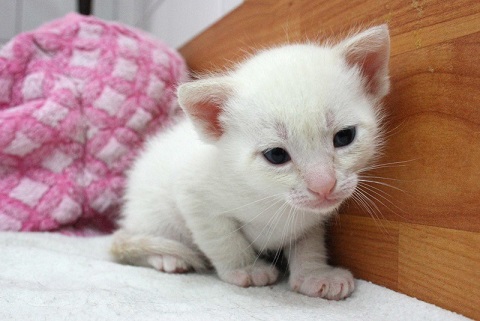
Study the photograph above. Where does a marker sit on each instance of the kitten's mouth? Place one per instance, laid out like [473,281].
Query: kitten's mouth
[317,203]
[320,205]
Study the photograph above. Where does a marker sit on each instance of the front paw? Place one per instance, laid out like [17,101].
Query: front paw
[329,283]
[259,274]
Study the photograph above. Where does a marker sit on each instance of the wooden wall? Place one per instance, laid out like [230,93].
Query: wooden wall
[422,234]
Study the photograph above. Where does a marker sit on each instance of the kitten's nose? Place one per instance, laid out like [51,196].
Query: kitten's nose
[322,184]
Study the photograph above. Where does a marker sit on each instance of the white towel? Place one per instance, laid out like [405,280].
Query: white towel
[55,277]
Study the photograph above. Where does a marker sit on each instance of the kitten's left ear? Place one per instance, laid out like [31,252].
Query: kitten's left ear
[370,51]
[203,101]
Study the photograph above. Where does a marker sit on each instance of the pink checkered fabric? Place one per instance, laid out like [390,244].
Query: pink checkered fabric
[77,98]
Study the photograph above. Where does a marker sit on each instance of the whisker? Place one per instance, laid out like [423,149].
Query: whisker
[362,180]
[383,194]
[276,216]
[373,210]
[369,190]
[382,223]
[369,205]
[391,131]
[360,199]
[284,237]
[278,251]
[382,177]
[302,221]
[290,217]
[248,204]
[388,165]
[255,217]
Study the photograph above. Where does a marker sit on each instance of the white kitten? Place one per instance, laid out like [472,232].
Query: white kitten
[267,154]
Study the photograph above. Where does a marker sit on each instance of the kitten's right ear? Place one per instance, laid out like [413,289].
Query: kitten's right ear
[370,51]
[203,101]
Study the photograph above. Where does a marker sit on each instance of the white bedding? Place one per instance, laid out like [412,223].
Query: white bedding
[55,277]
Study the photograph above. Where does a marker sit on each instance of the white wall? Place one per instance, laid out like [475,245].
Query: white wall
[173,21]
[176,22]
[8,21]
[22,15]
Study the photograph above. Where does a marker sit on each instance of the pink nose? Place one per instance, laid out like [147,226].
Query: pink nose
[322,184]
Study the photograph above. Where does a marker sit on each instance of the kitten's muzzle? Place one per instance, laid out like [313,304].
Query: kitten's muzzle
[322,184]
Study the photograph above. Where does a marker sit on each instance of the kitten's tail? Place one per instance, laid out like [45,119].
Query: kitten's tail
[136,248]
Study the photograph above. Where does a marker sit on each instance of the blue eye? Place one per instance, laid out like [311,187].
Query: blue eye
[344,137]
[276,156]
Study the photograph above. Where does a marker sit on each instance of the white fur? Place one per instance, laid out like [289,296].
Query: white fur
[203,193]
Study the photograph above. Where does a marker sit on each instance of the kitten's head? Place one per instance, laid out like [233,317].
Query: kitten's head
[298,121]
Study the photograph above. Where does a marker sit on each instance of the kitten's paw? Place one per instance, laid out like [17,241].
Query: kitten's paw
[329,283]
[168,263]
[260,274]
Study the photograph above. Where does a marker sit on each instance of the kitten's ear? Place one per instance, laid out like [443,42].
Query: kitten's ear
[203,101]
[370,51]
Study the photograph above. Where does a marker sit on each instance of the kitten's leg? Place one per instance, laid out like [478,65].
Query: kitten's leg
[163,254]
[230,253]
[309,272]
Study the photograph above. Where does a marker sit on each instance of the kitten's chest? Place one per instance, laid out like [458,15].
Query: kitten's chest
[278,228]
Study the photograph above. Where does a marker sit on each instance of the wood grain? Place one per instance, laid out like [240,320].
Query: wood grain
[441,266]
[425,238]
[434,264]
[352,239]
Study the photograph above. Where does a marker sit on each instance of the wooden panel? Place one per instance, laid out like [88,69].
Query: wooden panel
[437,265]
[439,184]
[441,266]
[434,107]
[368,248]
[425,239]
[254,25]
[260,23]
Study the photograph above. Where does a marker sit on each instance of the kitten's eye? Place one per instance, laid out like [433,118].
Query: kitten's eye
[344,137]
[276,156]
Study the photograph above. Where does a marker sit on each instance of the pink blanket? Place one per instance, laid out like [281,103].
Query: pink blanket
[77,98]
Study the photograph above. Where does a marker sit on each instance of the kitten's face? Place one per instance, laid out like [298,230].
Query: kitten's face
[297,122]
[314,169]
[302,131]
